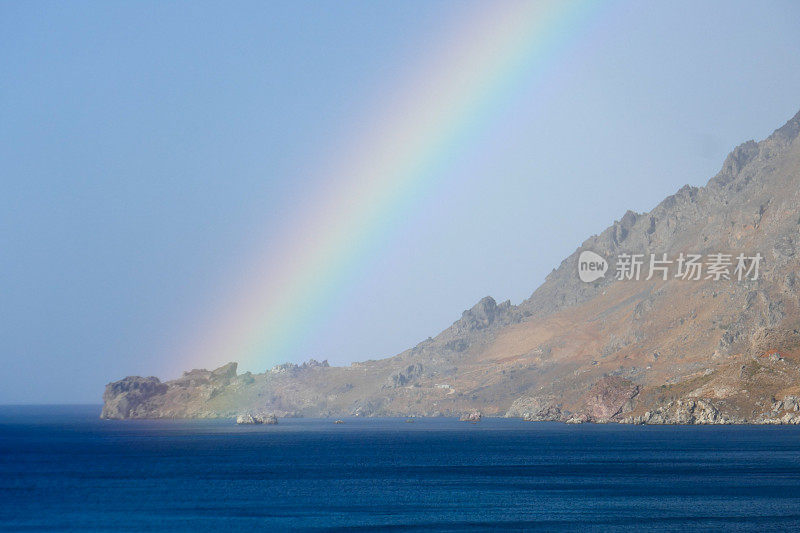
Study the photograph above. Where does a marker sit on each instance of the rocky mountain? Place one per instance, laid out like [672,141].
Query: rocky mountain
[711,350]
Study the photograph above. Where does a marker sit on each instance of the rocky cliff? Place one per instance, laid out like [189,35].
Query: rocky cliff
[661,350]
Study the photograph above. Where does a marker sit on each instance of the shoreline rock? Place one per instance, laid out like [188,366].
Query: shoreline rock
[533,409]
[689,412]
[472,416]
[251,419]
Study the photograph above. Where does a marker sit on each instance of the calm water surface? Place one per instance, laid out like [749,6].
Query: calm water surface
[61,468]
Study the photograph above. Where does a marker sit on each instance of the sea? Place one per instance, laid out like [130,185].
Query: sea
[64,469]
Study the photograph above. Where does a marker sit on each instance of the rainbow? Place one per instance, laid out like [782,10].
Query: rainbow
[495,50]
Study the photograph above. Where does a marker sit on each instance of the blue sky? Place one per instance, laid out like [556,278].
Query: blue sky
[146,149]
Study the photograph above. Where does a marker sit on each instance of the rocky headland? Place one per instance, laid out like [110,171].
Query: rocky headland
[657,351]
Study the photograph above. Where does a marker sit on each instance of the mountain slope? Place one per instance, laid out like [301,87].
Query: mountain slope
[657,351]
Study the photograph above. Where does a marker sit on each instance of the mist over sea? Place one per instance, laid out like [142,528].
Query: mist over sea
[62,469]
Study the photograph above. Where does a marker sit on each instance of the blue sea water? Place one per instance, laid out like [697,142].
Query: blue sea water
[61,468]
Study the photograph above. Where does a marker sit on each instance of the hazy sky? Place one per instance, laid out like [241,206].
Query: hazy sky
[147,149]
